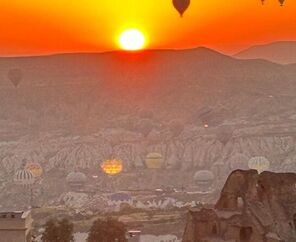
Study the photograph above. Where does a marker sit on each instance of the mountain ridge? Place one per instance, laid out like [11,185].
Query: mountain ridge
[281,52]
[191,79]
[199,48]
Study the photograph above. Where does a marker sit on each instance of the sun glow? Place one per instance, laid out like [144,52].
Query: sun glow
[132,40]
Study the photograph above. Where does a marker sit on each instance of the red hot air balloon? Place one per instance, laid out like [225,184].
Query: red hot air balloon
[181,6]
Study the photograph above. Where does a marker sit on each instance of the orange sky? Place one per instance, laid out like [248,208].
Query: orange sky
[50,26]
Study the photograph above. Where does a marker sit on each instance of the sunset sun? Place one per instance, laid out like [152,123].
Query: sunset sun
[132,40]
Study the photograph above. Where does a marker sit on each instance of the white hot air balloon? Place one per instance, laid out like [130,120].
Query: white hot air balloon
[259,163]
[204,179]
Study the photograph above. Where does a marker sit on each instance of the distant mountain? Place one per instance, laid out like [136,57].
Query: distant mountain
[171,83]
[283,52]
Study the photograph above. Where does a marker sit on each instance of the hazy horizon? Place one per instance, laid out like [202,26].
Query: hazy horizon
[229,53]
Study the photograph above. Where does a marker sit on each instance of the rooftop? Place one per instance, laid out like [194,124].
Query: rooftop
[14,214]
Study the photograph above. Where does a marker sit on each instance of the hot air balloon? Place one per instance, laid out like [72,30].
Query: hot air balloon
[259,163]
[154,161]
[176,127]
[181,6]
[204,179]
[238,161]
[121,197]
[76,179]
[145,126]
[282,2]
[35,168]
[224,134]
[15,76]
[24,177]
[218,168]
[112,167]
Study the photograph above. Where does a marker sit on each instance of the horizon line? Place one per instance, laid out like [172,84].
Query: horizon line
[109,52]
[57,53]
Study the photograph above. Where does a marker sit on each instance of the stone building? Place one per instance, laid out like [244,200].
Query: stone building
[15,226]
[252,208]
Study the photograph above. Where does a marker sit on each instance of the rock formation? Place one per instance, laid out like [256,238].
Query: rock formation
[252,208]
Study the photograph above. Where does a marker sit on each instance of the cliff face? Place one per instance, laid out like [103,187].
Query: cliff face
[200,149]
[252,208]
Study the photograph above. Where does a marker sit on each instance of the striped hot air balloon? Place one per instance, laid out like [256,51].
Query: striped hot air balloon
[24,177]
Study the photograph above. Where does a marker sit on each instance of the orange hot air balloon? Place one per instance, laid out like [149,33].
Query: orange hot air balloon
[181,6]
[35,168]
[112,167]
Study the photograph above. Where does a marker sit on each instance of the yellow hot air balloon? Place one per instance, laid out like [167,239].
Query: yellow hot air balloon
[112,167]
[154,161]
[35,168]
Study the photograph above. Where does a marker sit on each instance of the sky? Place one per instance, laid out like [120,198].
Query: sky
[34,27]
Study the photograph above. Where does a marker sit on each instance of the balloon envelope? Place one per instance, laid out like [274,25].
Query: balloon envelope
[238,161]
[259,163]
[224,135]
[203,176]
[76,178]
[181,5]
[154,161]
[120,197]
[176,127]
[204,179]
[112,167]
[15,76]
[24,177]
[35,168]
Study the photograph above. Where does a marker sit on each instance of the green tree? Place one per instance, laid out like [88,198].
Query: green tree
[58,231]
[107,231]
